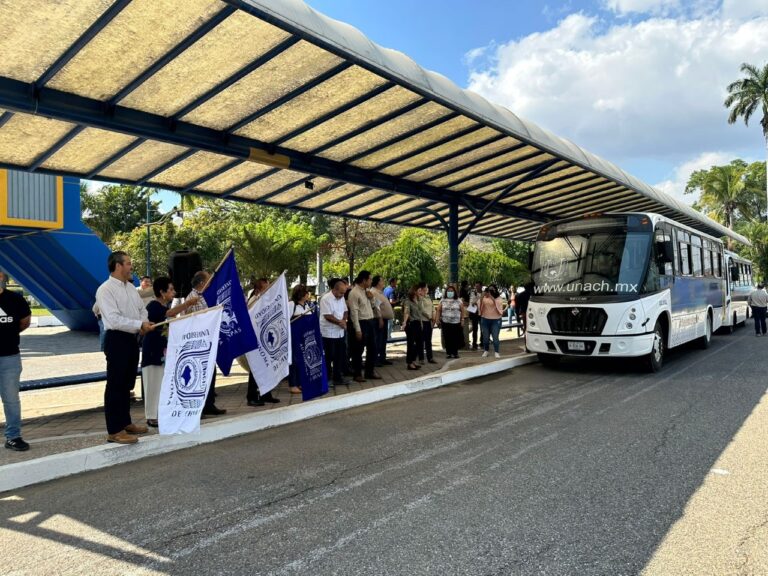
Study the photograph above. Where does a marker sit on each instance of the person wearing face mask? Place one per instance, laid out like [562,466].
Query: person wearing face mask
[491,309]
[15,317]
[450,316]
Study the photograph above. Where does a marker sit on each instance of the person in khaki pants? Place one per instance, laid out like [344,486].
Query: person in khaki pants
[386,315]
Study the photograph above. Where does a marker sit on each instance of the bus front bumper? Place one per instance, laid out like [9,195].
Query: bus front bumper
[608,346]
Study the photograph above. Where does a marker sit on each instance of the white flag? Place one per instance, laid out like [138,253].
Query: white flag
[271,322]
[189,364]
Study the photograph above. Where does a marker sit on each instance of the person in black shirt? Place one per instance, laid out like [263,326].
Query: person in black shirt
[15,317]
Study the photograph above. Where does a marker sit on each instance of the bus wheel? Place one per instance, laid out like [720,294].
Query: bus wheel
[706,340]
[655,359]
[548,360]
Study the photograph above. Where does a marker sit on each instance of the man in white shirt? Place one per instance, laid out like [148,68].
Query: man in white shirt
[333,326]
[125,319]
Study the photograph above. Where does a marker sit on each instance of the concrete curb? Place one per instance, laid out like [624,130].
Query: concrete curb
[19,475]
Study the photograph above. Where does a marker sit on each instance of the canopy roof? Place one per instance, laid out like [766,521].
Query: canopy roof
[268,101]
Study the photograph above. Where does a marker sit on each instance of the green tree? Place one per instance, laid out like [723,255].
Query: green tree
[408,260]
[116,208]
[748,94]
[722,191]
[355,240]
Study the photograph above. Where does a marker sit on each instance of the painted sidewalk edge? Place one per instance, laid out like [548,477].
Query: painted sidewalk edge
[21,474]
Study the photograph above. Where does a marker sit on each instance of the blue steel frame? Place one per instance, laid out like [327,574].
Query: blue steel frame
[36,98]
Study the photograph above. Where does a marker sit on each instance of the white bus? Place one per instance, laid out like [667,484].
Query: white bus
[623,285]
[738,287]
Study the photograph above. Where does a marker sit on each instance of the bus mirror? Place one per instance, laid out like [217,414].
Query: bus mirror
[735,274]
[665,251]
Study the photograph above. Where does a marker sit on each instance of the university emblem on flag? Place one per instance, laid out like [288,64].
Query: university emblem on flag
[273,333]
[190,378]
[313,354]
[229,325]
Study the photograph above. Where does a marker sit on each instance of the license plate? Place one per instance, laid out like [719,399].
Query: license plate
[576,346]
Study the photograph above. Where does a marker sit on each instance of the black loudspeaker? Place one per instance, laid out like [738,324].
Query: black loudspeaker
[182,265]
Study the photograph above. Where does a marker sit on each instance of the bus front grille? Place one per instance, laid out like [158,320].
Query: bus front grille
[577,320]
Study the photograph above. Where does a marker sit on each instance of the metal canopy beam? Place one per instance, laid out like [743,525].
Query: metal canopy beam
[42,158]
[506,193]
[115,157]
[78,44]
[4,117]
[237,76]
[161,62]
[18,96]
[211,175]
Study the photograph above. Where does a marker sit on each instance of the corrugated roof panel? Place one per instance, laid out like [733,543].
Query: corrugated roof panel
[412,205]
[142,160]
[483,155]
[23,138]
[137,37]
[35,34]
[479,181]
[270,183]
[379,106]
[380,134]
[496,161]
[577,179]
[237,41]
[88,149]
[378,202]
[553,201]
[299,193]
[234,177]
[263,86]
[412,162]
[410,144]
[330,195]
[190,169]
[342,88]
[355,200]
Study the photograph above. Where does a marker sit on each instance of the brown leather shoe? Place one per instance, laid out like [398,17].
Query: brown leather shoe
[122,437]
[136,429]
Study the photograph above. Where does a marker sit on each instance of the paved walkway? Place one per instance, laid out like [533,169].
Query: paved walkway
[69,418]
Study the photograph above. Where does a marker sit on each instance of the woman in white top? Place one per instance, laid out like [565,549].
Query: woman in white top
[298,306]
[450,316]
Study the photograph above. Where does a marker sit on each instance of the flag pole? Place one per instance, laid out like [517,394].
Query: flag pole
[210,278]
[250,304]
[187,315]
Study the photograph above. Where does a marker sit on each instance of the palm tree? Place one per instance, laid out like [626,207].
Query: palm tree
[723,192]
[745,95]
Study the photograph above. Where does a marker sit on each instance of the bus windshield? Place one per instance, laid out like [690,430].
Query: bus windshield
[595,256]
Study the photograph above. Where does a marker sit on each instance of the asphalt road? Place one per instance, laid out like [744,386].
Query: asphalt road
[575,470]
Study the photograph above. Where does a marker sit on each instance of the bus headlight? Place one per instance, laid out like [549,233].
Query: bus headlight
[629,325]
[530,315]
[632,317]
[532,323]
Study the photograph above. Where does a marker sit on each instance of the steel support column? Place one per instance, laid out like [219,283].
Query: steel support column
[453,242]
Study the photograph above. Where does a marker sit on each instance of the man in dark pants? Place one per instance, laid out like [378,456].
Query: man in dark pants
[125,319]
[758,301]
[333,326]
[361,315]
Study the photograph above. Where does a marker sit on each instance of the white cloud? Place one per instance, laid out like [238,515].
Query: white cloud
[642,6]
[651,89]
[744,9]
[675,185]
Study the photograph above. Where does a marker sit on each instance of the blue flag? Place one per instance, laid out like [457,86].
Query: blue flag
[308,356]
[236,336]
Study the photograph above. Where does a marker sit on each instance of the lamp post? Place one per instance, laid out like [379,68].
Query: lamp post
[149,237]
[173,212]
